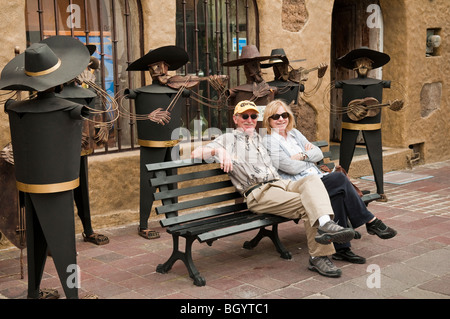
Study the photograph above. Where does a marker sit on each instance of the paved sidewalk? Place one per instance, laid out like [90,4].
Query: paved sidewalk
[413,265]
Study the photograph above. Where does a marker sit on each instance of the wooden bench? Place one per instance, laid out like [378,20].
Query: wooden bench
[202,204]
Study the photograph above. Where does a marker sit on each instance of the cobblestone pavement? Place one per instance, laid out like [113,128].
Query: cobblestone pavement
[413,265]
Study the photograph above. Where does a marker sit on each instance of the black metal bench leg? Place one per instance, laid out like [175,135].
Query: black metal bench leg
[176,254]
[193,272]
[250,244]
[185,257]
[285,254]
[273,235]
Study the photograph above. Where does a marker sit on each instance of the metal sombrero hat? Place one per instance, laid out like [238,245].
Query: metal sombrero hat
[249,53]
[51,62]
[174,56]
[278,56]
[348,61]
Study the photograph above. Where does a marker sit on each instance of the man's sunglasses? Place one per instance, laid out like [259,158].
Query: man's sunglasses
[275,117]
[245,116]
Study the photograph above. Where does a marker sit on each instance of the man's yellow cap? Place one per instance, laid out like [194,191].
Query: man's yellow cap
[244,106]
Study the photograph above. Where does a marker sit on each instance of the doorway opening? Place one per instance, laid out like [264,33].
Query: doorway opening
[355,23]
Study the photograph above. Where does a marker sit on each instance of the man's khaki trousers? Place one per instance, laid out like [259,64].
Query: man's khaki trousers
[306,199]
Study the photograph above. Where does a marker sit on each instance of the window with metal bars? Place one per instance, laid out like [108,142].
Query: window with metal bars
[211,31]
[110,25]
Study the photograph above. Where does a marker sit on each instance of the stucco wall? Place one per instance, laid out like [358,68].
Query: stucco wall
[159,19]
[406,23]
[311,42]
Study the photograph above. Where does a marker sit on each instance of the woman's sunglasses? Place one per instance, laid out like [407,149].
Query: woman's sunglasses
[245,116]
[275,117]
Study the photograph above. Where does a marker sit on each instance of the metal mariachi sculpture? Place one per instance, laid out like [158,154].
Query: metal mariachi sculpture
[255,89]
[361,111]
[158,114]
[76,92]
[158,111]
[290,82]
[288,89]
[46,139]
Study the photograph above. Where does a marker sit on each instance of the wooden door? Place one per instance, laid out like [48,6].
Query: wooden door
[355,23]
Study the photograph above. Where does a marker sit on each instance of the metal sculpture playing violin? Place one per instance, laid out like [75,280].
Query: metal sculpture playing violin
[158,116]
[362,103]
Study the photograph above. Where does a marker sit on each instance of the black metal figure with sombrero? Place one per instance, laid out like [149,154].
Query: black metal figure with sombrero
[289,81]
[288,90]
[256,89]
[46,139]
[362,60]
[75,92]
[158,113]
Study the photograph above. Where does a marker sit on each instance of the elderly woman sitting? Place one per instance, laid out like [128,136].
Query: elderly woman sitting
[295,157]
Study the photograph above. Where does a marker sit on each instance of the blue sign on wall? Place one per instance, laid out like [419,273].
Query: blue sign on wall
[108,59]
[242,43]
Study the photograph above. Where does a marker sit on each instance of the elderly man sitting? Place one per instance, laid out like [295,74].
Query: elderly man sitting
[243,156]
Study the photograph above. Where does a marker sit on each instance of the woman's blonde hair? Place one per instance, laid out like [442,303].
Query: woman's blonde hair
[272,109]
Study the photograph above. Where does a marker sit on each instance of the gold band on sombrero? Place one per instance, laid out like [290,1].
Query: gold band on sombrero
[44,72]
[48,188]
[163,144]
[361,127]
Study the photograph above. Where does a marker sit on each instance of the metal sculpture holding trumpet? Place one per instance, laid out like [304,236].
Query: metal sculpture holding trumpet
[362,100]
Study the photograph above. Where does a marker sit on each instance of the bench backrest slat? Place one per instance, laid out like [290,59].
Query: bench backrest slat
[170,179]
[207,213]
[320,144]
[193,190]
[172,164]
[167,208]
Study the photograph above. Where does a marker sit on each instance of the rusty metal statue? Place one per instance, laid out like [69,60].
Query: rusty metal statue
[12,214]
[255,89]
